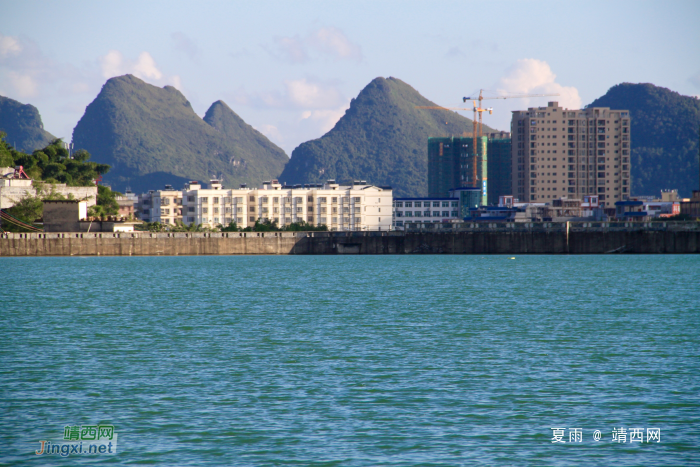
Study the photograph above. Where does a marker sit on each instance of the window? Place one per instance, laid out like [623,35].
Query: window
[252,209]
[298,199]
[454,214]
[216,200]
[436,213]
[334,200]
[436,204]
[322,200]
[357,199]
[204,200]
[216,210]
[205,210]
[417,204]
[408,214]
[409,204]
[190,209]
[426,213]
[263,199]
[399,204]
[252,219]
[251,198]
[445,213]
[310,199]
[445,204]
[454,204]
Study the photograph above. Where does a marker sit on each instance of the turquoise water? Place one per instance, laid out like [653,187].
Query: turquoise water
[352,361]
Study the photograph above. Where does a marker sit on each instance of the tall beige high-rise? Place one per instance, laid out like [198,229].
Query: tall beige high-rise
[559,152]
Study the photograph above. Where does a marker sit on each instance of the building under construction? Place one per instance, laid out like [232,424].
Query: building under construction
[451,166]
[499,166]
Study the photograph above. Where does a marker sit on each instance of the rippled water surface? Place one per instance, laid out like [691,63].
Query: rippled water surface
[352,361]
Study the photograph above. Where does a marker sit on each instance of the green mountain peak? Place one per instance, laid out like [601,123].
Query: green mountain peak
[23,126]
[382,138]
[151,136]
[664,136]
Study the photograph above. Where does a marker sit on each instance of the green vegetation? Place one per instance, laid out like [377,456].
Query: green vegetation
[265,226]
[30,208]
[664,136]
[382,138]
[47,167]
[22,123]
[151,136]
[271,226]
[52,164]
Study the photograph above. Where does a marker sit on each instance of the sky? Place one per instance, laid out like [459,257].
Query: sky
[290,69]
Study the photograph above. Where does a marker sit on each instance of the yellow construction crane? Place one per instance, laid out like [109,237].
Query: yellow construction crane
[476,130]
[477,126]
[513,96]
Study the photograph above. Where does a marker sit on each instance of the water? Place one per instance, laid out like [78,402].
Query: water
[352,361]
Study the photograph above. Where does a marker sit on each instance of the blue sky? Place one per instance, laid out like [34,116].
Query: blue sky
[291,68]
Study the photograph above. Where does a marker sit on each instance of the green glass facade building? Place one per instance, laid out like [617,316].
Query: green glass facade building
[499,168]
[450,166]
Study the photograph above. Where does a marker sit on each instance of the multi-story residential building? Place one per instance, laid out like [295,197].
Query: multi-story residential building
[164,206]
[359,206]
[559,152]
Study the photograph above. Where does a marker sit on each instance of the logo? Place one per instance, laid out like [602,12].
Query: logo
[81,440]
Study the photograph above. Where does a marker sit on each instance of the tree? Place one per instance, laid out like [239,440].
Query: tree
[107,199]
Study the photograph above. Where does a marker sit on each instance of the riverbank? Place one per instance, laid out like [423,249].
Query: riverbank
[533,238]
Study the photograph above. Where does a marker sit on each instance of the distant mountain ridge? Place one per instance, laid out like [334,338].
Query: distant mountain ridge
[152,136]
[664,136]
[382,138]
[23,125]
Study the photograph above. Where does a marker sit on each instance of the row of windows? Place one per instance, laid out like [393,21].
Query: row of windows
[275,199]
[426,204]
[426,214]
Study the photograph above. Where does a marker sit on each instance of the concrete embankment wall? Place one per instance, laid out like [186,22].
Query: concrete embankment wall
[468,241]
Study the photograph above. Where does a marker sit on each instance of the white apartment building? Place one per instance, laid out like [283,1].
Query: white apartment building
[558,152]
[355,207]
[164,206]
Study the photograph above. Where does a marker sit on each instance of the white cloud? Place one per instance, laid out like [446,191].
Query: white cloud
[115,64]
[331,41]
[183,43]
[298,94]
[144,67]
[24,84]
[9,46]
[304,109]
[531,76]
[323,43]
[695,79]
[325,119]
